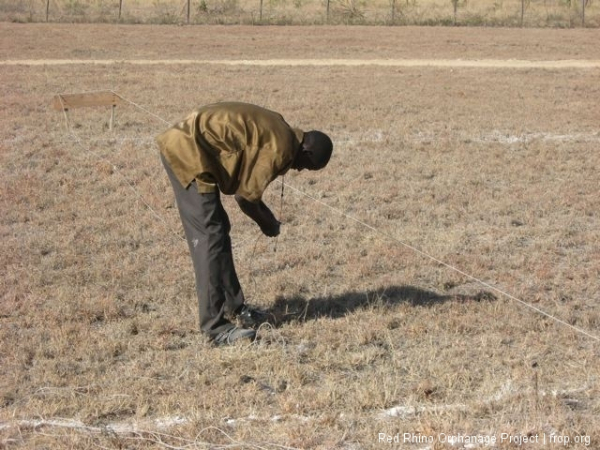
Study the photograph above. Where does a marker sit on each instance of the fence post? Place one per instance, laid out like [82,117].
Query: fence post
[393,5]
[120,8]
[583,13]
[188,12]
[47,9]
[455,6]
[260,11]
[111,124]
[522,12]
[327,15]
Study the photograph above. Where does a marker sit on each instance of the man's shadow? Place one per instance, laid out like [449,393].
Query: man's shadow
[298,308]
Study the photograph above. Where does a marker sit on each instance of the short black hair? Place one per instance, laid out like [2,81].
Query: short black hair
[319,147]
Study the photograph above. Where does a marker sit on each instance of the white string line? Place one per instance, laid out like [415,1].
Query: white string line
[449,266]
[141,108]
[404,244]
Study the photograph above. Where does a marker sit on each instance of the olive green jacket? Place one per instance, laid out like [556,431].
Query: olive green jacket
[237,148]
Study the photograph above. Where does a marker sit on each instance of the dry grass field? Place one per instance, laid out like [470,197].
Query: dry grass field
[492,172]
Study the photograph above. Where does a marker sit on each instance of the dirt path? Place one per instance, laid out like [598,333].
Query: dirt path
[480,63]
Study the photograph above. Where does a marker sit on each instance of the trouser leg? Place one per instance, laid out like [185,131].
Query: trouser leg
[207,227]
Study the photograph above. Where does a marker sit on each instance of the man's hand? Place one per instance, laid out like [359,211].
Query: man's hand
[261,214]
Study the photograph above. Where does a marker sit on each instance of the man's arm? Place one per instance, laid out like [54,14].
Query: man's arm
[261,214]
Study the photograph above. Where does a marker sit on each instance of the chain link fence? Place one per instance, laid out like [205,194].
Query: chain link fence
[506,13]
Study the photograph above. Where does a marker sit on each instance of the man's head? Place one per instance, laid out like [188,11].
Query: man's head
[315,151]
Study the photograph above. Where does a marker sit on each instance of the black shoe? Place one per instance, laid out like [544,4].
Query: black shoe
[233,335]
[248,317]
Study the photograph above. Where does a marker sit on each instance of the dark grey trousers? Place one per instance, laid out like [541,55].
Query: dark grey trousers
[207,227]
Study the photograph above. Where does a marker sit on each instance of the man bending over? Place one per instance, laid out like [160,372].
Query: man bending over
[235,149]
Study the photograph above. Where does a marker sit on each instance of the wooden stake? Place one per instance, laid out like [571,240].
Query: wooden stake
[112,117]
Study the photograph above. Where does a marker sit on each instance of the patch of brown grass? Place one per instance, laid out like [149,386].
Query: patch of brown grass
[488,170]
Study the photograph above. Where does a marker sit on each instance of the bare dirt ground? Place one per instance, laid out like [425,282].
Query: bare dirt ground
[75,41]
[440,279]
